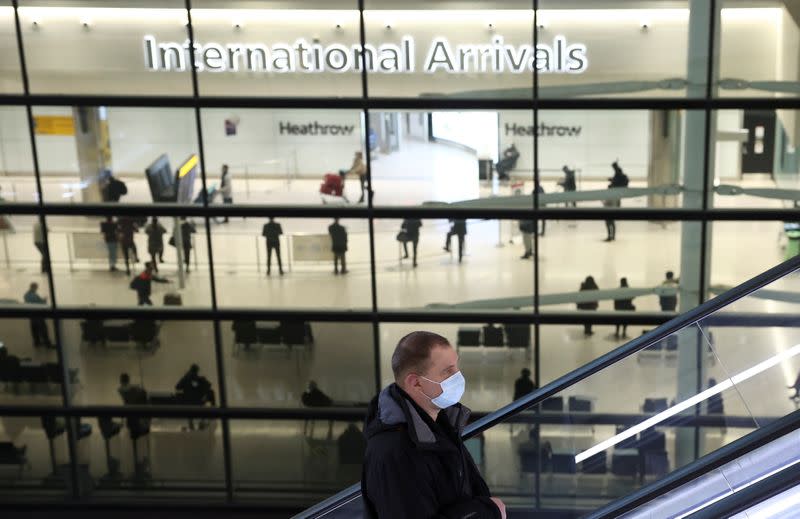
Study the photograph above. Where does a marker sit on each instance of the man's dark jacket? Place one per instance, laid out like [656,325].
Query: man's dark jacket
[415,468]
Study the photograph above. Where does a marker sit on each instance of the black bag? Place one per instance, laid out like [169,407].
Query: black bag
[135,283]
[402,236]
[172,240]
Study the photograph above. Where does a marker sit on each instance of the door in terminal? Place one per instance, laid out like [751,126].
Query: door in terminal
[758,152]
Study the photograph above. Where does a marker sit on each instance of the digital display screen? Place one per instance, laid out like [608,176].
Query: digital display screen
[161,180]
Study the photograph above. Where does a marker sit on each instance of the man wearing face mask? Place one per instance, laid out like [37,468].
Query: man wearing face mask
[416,465]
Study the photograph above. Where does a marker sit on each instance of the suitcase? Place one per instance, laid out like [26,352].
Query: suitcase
[172,299]
[332,185]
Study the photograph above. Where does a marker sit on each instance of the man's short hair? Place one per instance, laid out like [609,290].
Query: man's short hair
[413,353]
[33,286]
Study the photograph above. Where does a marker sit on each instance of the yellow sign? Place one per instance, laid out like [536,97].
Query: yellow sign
[187,167]
[54,125]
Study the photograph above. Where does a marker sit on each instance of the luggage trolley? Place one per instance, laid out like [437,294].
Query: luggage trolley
[332,189]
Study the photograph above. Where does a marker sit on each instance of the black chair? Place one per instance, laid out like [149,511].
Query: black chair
[469,336]
[627,443]
[554,403]
[625,462]
[656,463]
[654,405]
[532,459]
[145,333]
[269,335]
[563,462]
[518,335]
[492,336]
[92,332]
[53,429]
[12,455]
[293,332]
[244,333]
[583,405]
[109,428]
[595,464]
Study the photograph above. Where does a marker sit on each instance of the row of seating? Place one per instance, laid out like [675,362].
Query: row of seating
[142,333]
[509,335]
[644,455]
[287,333]
[37,375]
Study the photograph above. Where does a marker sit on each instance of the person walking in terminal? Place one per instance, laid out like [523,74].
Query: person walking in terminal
[619,180]
[527,228]
[194,389]
[143,284]
[155,241]
[669,303]
[410,227]
[338,245]
[110,231]
[131,394]
[588,284]
[568,183]
[187,229]
[459,229]
[38,242]
[523,385]
[358,168]
[127,228]
[38,325]
[226,188]
[272,231]
[416,464]
[623,305]
[114,189]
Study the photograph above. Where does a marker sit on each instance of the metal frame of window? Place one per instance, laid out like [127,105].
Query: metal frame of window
[374,314]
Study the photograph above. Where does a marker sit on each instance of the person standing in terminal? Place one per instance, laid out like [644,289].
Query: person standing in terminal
[272,232]
[187,229]
[110,231]
[143,284]
[619,180]
[38,242]
[338,245]
[527,228]
[623,305]
[416,464]
[588,284]
[155,242]
[539,190]
[226,188]
[410,227]
[127,228]
[796,387]
[459,229]
[568,183]
[669,303]
[523,385]
[38,325]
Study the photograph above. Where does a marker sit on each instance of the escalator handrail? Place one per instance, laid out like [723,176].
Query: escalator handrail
[752,495]
[634,346]
[718,458]
[600,363]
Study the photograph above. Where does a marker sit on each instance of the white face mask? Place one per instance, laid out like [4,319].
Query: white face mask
[452,390]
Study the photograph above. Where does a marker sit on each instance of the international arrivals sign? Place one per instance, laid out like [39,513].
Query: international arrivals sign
[441,56]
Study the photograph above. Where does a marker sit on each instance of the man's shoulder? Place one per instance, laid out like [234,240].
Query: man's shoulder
[390,444]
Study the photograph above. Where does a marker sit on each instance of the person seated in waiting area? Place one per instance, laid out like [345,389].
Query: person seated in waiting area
[194,388]
[314,397]
[131,394]
[8,362]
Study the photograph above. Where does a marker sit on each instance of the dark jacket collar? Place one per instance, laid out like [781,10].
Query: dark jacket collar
[393,408]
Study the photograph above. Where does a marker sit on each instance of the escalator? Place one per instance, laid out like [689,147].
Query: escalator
[689,418]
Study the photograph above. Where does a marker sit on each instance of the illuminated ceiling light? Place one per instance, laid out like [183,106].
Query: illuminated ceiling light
[689,403]
[237,24]
[645,25]
[86,22]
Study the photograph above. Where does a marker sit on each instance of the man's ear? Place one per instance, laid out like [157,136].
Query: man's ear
[410,381]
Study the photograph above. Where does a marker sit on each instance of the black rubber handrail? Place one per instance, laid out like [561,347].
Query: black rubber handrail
[589,369]
[750,496]
[699,467]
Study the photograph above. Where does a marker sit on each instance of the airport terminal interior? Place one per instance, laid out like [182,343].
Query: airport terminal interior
[371,194]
